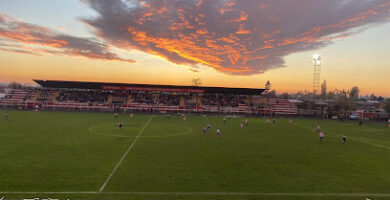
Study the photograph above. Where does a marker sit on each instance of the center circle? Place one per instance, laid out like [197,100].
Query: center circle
[132,130]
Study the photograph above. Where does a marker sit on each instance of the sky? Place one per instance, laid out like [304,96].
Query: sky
[227,43]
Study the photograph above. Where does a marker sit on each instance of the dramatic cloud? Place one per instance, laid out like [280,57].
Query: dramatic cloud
[21,37]
[231,36]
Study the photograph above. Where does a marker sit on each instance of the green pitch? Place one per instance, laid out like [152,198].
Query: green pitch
[86,156]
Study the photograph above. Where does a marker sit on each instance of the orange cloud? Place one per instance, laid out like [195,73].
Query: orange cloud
[42,40]
[233,37]
[61,28]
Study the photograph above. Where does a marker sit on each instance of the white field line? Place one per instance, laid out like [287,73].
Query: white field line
[207,193]
[356,139]
[188,130]
[124,155]
[218,193]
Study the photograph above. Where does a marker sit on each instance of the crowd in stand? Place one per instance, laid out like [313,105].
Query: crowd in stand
[168,99]
[117,97]
[45,95]
[19,94]
[147,98]
[219,100]
[124,97]
[83,96]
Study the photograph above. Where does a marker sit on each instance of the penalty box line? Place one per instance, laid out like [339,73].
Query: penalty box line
[217,193]
[124,155]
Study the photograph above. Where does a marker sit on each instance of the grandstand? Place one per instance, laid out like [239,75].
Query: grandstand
[98,96]
[282,107]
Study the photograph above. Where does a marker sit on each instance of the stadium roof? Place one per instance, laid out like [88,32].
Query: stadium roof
[146,87]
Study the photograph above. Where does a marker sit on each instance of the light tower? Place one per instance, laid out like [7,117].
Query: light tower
[316,72]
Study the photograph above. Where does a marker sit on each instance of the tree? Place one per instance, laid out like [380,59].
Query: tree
[342,102]
[387,105]
[373,97]
[272,94]
[331,95]
[354,94]
[268,85]
[284,95]
[196,81]
[15,85]
[324,89]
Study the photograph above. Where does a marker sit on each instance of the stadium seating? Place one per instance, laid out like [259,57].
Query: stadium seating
[17,96]
[47,95]
[282,107]
[144,101]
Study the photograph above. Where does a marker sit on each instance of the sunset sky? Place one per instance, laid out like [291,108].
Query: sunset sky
[229,43]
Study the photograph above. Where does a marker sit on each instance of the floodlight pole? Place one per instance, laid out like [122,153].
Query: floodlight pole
[316,73]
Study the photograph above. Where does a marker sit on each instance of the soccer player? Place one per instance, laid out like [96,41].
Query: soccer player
[273,120]
[246,122]
[360,123]
[168,116]
[131,115]
[204,131]
[242,127]
[290,121]
[321,136]
[318,128]
[120,125]
[344,139]
[116,115]
[6,115]
[224,121]
[267,121]
[208,126]
[184,117]
[218,133]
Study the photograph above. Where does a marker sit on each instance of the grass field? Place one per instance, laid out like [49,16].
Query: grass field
[85,156]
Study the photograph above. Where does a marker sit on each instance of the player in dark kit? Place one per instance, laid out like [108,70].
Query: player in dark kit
[116,115]
[344,139]
[120,125]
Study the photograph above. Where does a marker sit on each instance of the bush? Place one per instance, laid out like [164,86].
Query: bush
[387,105]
